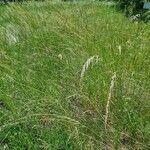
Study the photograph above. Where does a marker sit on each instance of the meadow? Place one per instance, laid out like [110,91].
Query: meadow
[73,76]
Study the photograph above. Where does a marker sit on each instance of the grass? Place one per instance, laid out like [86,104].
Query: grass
[73,76]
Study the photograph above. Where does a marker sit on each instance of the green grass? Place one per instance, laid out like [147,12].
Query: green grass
[44,47]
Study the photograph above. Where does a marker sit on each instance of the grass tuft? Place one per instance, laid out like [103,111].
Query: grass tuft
[48,51]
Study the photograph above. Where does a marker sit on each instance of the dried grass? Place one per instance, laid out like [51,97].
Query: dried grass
[87,64]
[111,89]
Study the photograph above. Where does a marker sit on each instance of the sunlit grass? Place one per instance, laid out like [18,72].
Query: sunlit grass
[57,61]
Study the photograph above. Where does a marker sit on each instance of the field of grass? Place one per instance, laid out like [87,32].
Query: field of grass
[73,76]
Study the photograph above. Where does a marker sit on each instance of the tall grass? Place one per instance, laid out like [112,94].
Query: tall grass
[57,84]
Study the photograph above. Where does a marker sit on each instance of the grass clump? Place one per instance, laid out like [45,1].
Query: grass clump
[73,76]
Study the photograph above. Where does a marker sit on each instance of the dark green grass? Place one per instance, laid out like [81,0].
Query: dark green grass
[45,104]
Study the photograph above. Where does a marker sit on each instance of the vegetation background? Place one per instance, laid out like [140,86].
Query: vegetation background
[73,76]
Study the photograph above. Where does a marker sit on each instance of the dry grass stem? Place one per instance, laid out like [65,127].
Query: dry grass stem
[87,65]
[109,99]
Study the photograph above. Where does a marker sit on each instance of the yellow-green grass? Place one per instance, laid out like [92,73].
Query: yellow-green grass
[57,61]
